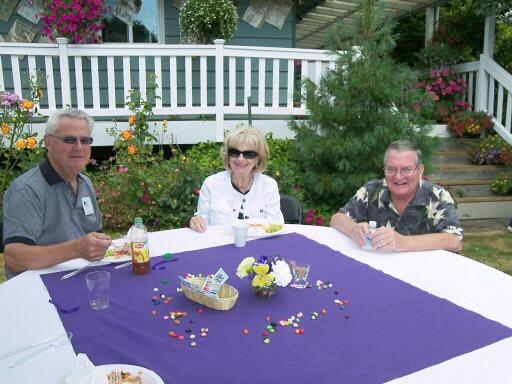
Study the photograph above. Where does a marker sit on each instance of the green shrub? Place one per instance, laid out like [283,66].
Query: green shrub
[355,112]
[502,184]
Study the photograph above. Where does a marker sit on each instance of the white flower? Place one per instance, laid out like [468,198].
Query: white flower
[281,273]
[446,198]
[432,209]
[244,267]
[362,195]
[439,215]
[437,191]
[381,193]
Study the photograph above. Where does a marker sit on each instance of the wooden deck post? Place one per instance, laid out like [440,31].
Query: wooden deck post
[219,89]
[65,83]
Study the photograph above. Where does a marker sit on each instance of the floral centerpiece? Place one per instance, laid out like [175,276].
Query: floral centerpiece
[268,273]
[78,20]
[202,21]
[467,123]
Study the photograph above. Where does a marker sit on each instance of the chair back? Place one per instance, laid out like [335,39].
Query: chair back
[291,209]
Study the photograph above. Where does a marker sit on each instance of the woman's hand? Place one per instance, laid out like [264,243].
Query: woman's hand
[198,224]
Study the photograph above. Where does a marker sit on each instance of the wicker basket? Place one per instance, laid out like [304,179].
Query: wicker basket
[226,298]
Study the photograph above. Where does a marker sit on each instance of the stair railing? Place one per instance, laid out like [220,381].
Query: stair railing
[493,92]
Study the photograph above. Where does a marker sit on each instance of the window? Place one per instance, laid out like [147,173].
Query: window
[132,21]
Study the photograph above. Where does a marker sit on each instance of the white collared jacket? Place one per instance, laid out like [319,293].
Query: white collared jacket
[220,203]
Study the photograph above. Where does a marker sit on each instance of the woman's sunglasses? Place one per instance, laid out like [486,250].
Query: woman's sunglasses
[249,155]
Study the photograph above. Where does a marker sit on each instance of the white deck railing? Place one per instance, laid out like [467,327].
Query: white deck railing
[493,92]
[192,79]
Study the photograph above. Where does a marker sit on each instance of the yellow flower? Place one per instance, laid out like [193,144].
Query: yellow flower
[5,129]
[27,104]
[39,92]
[164,124]
[127,134]
[244,267]
[20,144]
[261,269]
[31,142]
[131,120]
[262,280]
[132,149]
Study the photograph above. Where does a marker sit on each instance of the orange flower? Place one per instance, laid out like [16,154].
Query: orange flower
[127,134]
[31,142]
[27,104]
[5,129]
[20,144]
[131,120]
[132,149]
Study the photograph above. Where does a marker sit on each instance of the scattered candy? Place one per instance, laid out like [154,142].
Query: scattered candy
[155,289]
[192,337]
[153,312]
[172,334]
[181,337]
[266,340]
[324,311]
[177,321]
[245,331]
[193,344]
[268,318]
[199,310]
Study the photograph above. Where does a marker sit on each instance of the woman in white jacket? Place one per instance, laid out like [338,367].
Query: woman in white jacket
[241,191]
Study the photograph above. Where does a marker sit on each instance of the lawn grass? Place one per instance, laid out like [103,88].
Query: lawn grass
[490,248]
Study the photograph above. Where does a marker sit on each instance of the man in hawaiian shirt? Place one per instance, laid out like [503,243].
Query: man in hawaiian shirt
[411,214]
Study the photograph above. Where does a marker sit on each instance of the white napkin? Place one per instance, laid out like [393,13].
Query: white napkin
[84,372]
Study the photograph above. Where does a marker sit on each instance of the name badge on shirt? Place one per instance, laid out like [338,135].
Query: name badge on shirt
[227,207]
[87,206]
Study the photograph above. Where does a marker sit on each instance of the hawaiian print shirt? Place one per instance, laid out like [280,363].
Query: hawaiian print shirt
[431,210]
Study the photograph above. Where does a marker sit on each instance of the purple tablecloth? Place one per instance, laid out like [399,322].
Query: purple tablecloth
[388,329]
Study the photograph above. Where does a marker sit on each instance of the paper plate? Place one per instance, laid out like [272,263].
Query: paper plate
[119,255]
[147,376]
[256,229]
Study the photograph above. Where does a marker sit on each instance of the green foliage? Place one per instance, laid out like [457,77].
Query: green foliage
[203,21]
[19,147]
[357,109]
[502,184]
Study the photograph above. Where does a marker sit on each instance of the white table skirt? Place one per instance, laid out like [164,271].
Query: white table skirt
[26,317]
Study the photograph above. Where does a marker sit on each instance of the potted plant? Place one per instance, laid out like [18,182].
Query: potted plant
[202,21]
[469,124]
[77,20]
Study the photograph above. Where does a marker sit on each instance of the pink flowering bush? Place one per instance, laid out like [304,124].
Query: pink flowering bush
[313,218]
[447,90]
[78,20]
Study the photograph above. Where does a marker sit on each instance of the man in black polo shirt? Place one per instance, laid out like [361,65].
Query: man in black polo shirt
[50,212]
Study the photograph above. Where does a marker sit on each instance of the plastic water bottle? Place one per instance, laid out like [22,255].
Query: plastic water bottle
[372,226]
[140,249]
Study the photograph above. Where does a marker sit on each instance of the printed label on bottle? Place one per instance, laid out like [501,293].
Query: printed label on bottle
[140,252]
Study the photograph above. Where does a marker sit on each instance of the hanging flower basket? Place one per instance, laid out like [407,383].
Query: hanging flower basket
[202,21]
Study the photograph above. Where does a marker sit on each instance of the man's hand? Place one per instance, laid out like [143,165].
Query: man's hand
[387,239]
[198,224]
[93,246]
[359,232]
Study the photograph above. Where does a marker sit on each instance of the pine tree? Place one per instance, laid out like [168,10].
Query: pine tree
[356,110]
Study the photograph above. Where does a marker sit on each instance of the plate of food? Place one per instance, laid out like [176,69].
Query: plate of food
[264,228]
[129,374]
[118,252]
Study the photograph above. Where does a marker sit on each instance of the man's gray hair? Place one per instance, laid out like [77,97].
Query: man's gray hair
[404,146]
[71,113]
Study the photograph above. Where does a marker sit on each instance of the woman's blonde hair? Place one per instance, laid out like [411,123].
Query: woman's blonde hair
[252,139]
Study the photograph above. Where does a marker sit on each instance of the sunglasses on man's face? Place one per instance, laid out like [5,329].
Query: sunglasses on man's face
[249,155]
[84,140]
